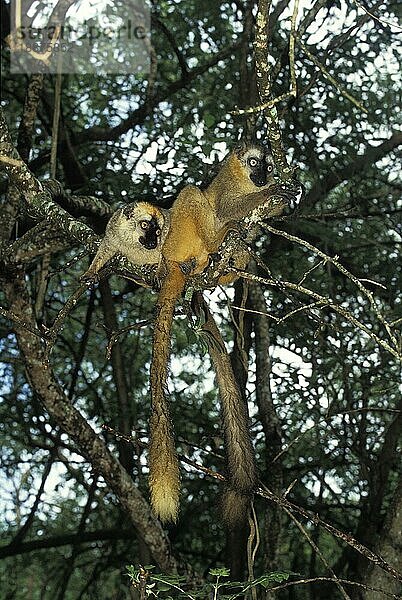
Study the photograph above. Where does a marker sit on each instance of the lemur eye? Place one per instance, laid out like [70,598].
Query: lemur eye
[269,168]
[158,232]
[253,162]
[144,224]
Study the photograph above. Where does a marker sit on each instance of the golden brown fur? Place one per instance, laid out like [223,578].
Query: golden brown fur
[199,222]
[164,476]
[241,468]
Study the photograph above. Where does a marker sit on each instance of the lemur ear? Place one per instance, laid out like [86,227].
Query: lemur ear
[240,147]
[266,146]
[248,140]
[241,150]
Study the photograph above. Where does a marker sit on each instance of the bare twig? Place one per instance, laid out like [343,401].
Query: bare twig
[114,335]
[382,21]
[61,317]
[362,586]
[318,551]
[334,260]
[24,324]
[331,79]
[324,301]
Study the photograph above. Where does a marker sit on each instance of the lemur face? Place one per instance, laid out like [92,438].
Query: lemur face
[258,164]
[260,167]
[147,221]
[151,232]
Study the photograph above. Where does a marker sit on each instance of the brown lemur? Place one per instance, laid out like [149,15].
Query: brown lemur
[136,231]
[199,222]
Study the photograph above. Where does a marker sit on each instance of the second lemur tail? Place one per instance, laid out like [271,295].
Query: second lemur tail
[241,467]
[164,475]
[242,477]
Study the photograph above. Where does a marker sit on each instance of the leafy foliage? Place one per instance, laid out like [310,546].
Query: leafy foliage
[155,586]
[335,392]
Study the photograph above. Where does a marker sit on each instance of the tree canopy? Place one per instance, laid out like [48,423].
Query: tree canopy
[313,327]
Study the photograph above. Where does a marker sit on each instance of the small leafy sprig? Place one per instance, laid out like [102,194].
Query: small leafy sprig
[157,585]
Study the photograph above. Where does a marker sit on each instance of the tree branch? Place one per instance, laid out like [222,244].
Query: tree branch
[67,539]
[89,443]
[360,163]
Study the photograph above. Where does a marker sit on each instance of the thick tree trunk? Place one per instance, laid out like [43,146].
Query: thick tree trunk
[89,444]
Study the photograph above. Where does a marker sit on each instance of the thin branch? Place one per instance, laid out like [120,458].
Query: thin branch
[264,89]
[66,540]
[293,83]
[21,322]
[331,79]
[325,302]
[318,551]
[362,586]
[58,323]
[115,334]
[334,260]
[382,21]
[26,128]
[22,533]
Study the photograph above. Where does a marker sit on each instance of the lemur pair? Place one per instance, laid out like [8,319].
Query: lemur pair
[182,240]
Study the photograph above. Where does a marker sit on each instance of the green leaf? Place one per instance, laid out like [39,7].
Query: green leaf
[275,577]
[222,572]
[163,587]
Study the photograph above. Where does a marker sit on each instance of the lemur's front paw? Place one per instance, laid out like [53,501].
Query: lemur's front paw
[289,193]
[188,266]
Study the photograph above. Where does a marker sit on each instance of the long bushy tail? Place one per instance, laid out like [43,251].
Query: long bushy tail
[242,471]
[164,475]
[241,467]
